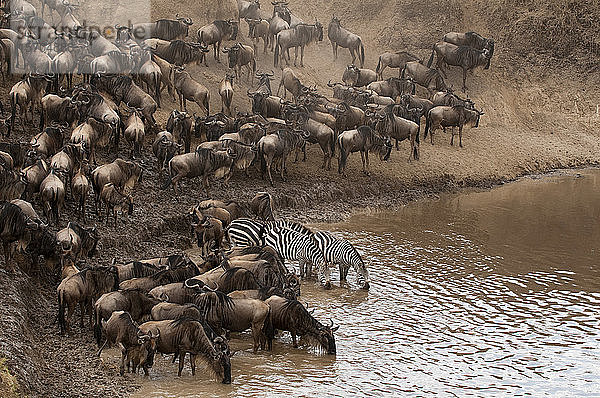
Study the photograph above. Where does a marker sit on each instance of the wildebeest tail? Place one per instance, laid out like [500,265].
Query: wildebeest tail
[268,330]
[332,143]
[378,68]
[431,58]
[13,110]
[362,54]
[98,328]
[427,124]
[418,133]
[157,88]
[343,156]
[42,117]
[61,312]
[276,53]
[263,162]
[169,179]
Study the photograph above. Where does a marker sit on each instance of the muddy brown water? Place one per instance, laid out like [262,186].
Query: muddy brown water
[492,293]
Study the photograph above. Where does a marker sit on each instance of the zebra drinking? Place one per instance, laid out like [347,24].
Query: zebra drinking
[341,252]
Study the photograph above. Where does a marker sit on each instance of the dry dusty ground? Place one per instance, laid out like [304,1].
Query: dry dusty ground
[540,115]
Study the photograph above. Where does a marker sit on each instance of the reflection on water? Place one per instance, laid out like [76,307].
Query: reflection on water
[494,293]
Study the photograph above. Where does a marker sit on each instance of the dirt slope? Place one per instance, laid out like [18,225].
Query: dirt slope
[540,114]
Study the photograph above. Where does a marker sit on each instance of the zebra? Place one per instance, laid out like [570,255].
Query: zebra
[246,232]
[341,252]
[294,246]
[294,226]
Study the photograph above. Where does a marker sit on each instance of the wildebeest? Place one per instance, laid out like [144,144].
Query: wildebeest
[290,82]
[264,104]
[165,276]
[292,316]
[166,74]
[299,36]
[226,93]
[216,32]
[123,174]
[80,187]
[278,146]
[357,77]
[455,116]
[77,242]
[91,134]
[398,128]
[165,29]
[188,335]
[200,163]
[241,55]
[34,175]
[262,206]
[66,159]
[59,109]
[393,87]
[164,148]
[84,287]
[52,195]
[179,52]
[249,9]
[319,133]
[276,25]
[114,200]
[365,140]
[14,226]
[468,58]
[341,37]
[237,315]
[165,311]
[209,233]
[133,131]
[120,329]
[180,125]
[394,60]
[258,28]
[49,141]
[137,303]
[411,101]
[431,79]
[189,89]
[471,39]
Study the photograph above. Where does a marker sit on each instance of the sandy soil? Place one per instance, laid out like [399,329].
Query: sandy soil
[540,115]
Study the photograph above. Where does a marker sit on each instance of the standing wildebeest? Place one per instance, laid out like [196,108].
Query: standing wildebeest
[189,335]
[299,36]
[265,104]
[292,316]
[163,277]
[236,315]
[262,206]
[114,199]
[180,125]
[123,174]
[278,146]
[365,140]
[451,116]
[290,82]
[77,242]
[133,131]
[80,187]
[393,87]
[52,195]
[25,93]
[226,93]
[470,39]
[394,60]
[200,163]
[249,9]
[120,329]
[216,32]
[258,28]
[179,52]
[468,58]
[319,133]
[137,303]
[166,74]
[84,287]
[398,128]
[189,89]
[339,36]
[411,101]
[276,25]
[357,77]
[14,226]
[431,79]
[164,148]
[241,55]
[165,29]
[58,109]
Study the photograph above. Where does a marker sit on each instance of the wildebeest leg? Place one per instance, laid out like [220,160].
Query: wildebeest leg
[283,166]
[123,358]
[82,310]
[351,49]
[181,358]
[464,89]
[362,159]
[301,55]
[269,162]
[205,185]
[452,138]
[7,256]
[70,311]
[367,162]
[193,363]
[294,340]
[397,146]
[256,333]
[101,348]
[460,136]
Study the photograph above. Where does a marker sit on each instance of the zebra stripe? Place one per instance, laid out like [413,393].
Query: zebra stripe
[243,232]
[341,252]
[294,246]
[294,226]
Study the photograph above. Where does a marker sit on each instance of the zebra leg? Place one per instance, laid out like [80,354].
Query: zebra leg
[324,275]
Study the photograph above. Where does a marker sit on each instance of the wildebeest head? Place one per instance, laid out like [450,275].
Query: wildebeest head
[385,150]
[222,356]
[326,338]
[148,343]
[258,101]
[488,55]
[319,27]
[350,76]
[233,54]
[233,25]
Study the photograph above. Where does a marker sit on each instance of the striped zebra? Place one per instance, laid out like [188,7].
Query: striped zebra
[341,252]
[294,246]
[243,232]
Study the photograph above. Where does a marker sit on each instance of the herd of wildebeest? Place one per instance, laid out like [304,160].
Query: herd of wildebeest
[243,281]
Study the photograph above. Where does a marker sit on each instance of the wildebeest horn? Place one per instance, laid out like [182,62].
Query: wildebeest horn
[192,286]
[330,320]
[163,297]
[157,334]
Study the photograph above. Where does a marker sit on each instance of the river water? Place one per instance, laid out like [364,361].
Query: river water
[492,293]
